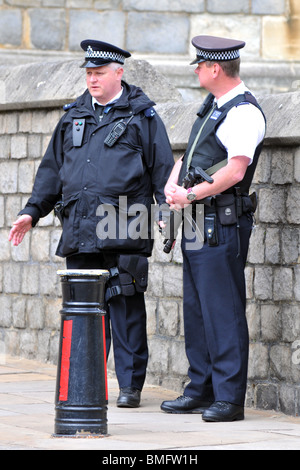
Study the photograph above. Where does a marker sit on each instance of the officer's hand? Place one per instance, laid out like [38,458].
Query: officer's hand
[20,227]
[176,196]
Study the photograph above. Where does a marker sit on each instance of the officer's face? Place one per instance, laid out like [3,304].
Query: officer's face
[203,73]
[104,82]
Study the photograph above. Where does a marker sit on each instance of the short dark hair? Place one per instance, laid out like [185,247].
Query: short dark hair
[231,68]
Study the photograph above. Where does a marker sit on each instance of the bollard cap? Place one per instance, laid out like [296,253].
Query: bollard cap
[82,272]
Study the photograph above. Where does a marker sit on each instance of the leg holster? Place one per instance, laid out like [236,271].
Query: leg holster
[129,277]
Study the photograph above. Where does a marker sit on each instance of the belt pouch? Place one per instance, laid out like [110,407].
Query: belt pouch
[226,209]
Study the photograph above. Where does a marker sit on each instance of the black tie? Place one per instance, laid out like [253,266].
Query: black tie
[99,111]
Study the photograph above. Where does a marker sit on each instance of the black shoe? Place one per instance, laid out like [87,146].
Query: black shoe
[129,397]
[184,404]
[223,411]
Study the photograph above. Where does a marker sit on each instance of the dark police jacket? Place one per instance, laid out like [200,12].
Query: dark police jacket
[209,150]
[87,176]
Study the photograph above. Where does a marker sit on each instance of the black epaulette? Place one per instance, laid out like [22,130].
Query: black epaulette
[150,112]
[68,106]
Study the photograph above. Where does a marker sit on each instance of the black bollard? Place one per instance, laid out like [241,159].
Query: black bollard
[81,384]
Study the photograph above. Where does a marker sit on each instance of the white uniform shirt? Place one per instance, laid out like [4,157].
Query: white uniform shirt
[243,128]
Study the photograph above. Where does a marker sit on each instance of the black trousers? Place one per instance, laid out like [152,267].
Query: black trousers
[216,332]
[125,324]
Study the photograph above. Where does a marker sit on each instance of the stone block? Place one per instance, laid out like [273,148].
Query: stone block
[290,245]
[282,166]
[40,245]
[158,356]
[287,402]
[297,282]
[30,279]
[184,6]
[253,320]
[172,281]
[249,276]
[48,30]
[290,323]
[281,362]
[266,397]
[19,313]
[5,146]
[263,281]
[297,165]
[52,315]
[8,180]
[4,245]
[258,361]
[19,146]
[11,27]
[168,320]
[223,6]
[6,311]
[11,278]
[283,283]
[1,212]
[256,252]
[108,4]
[281,38]
[151,32]
[28,343]
[268,7]
[49,280]
[151,308]
[35,313]
[25,121]
[178,361]
[272,248]
[263,170]
[271,205]
[34,146]
[292,203]
[21,252]
[270,323]
[84,24]
[26,176]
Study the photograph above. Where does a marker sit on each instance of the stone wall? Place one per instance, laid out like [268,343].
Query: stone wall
[161,32]
[149,27]
[30,291]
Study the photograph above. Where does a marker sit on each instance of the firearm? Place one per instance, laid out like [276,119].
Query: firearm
[193,177]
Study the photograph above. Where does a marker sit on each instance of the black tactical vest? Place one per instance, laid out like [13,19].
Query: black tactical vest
[209,149]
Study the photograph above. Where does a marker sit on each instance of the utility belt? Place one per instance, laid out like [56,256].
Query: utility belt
[230,206]
[227,208]
[128,277]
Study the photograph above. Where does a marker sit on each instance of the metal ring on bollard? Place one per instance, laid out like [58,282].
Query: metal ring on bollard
[81,384]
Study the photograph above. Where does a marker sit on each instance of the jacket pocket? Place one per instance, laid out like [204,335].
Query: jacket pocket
[70,223]
[124,225]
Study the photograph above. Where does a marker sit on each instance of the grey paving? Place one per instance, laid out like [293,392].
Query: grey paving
[27,413]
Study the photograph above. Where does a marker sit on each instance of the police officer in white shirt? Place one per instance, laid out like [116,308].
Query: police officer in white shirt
[226,141]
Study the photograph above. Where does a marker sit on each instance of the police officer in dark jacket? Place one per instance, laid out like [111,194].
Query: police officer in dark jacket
[109,154]
[225,141]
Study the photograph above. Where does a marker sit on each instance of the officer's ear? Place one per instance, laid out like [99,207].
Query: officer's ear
[119,73]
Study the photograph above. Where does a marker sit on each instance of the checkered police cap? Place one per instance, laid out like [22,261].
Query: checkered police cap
[211,48]
[99,53]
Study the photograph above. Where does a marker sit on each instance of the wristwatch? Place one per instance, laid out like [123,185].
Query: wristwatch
[190,195]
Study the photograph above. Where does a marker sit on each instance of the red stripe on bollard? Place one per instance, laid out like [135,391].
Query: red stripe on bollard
[104,355]
[65,360]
